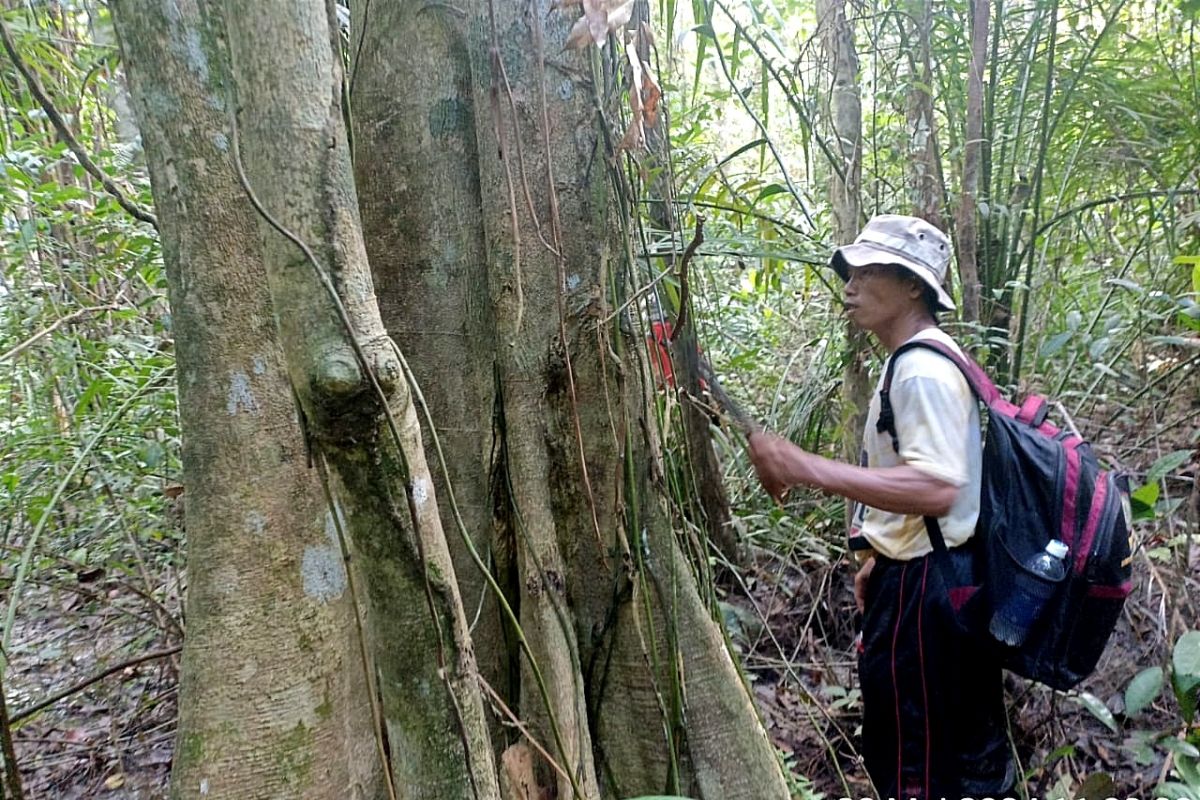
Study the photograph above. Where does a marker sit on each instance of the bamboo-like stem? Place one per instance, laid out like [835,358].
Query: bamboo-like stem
[1014,372]
[12,770]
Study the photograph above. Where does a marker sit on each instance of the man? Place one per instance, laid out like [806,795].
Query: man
[934,718]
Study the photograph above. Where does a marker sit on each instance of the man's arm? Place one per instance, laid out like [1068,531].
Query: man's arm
[902,489]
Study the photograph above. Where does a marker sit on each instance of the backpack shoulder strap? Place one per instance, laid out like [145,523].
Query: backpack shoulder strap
[981,385]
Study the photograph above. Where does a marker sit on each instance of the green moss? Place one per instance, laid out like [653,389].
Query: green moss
[191,749]
[325,710]
[293,755]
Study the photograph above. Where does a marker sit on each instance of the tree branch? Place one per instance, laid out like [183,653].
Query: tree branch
[74,315]
[60,125]
[86,682]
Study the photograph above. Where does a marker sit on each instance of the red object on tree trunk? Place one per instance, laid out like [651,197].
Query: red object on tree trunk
[659,345]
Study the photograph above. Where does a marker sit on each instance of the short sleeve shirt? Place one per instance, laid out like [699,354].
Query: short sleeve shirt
[937,424]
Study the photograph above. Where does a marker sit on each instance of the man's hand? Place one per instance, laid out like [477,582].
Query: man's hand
[860,583]
[778,463]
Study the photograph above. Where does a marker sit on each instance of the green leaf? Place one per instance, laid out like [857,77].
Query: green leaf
[1099,710]
[1176,791]
[1167,464]
[1185,675]
[770,189]
[1055,343]
[1143,690]
[1142,501]
[1060,752]
[1189,318]
[1189,771]
[1186,658]
[1179,747]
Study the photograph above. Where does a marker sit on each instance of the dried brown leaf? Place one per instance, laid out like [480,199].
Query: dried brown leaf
[619,17]
[579,37]
[597,20]
[651,94]
[635,136]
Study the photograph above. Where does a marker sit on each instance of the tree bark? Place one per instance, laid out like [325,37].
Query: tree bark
[348,377]
[607,597]
[418,189]
[966,236]
[845,115]
[926,184]
[273,700]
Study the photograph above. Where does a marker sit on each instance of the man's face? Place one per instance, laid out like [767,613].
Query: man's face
[877,294]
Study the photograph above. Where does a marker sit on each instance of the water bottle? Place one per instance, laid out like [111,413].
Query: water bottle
[1033,586]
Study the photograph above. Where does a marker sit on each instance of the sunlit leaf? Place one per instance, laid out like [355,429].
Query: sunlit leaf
[1096,706]
[1142,501]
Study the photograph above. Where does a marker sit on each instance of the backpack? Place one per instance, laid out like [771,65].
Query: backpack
[1038,483]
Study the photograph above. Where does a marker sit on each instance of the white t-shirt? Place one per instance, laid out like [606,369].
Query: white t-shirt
[937,423]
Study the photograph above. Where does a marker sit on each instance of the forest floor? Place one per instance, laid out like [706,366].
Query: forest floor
[805,681]
[113,739]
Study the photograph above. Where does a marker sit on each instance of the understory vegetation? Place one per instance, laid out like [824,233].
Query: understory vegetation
[1080,165]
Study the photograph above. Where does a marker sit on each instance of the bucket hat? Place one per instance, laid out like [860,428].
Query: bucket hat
[908,242]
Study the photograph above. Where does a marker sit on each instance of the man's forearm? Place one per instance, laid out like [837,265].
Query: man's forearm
[902,489]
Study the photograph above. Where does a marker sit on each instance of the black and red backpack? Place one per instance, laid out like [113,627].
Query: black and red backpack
[1039,483]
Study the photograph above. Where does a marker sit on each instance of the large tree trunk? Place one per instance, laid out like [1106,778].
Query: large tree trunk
[640,646]
[418,188]
[351,386]
[273,701]
[607,623]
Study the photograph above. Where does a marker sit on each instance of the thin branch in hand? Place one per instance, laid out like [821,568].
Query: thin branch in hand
[60,125]
[684,294]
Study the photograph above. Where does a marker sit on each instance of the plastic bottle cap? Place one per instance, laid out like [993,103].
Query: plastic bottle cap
[1057,549]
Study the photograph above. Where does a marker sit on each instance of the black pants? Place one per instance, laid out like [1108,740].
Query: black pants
[933,701]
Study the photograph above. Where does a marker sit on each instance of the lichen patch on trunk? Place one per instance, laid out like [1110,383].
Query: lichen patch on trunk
[323,573]
[240,398]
